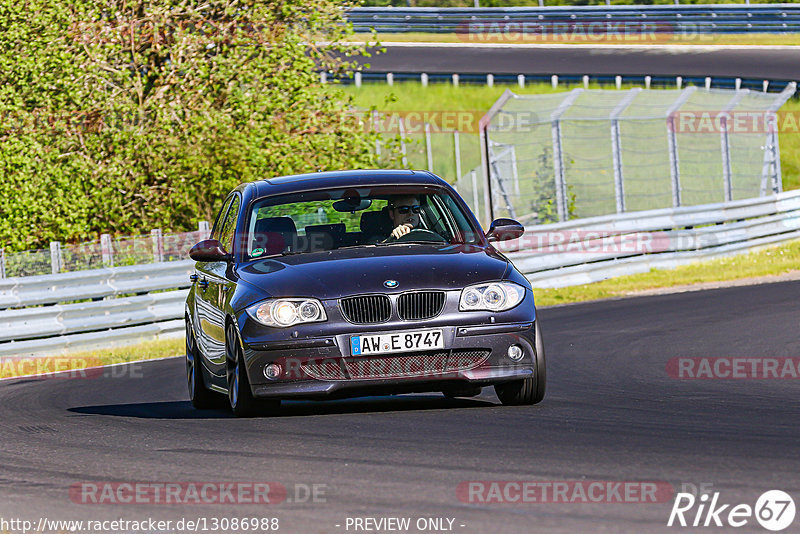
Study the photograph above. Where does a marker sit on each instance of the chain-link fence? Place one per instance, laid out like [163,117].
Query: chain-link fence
[594,152]
[107,252]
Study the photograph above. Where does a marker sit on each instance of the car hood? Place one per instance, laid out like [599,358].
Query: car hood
[337,273]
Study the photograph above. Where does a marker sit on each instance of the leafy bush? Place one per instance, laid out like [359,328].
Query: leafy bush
[120,116]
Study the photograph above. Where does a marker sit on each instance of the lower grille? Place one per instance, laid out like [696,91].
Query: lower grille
[418,364]
[369,309]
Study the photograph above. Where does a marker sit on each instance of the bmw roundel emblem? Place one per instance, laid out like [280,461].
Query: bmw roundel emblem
[390,283]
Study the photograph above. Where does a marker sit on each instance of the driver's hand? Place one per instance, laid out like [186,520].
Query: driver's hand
[401,230]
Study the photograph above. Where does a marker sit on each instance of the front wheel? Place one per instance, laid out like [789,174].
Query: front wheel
[528,390]
[240,396]
[199,395]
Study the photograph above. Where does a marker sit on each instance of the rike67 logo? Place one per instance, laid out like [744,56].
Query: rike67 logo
[774,510]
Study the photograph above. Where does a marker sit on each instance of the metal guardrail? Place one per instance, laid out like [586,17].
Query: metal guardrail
[660,19]
[589,250]
[127,310]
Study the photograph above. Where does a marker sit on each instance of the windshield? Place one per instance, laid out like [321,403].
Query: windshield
[325,220]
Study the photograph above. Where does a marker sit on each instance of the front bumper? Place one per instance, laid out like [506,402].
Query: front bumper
[322,367]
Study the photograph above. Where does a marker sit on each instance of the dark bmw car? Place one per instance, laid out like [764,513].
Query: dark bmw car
[354,283]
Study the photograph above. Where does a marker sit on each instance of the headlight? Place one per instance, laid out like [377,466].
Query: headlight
[495,296]
[280,313]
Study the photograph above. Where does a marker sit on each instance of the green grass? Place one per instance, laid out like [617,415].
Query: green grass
[769,261]
[162,348]
[753,39]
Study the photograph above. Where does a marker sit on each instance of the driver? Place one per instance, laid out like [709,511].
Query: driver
[404,212]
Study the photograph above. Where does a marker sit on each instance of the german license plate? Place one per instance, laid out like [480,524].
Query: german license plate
[400,342]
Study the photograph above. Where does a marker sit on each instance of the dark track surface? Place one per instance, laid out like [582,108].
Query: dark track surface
[611,413]
[778,64]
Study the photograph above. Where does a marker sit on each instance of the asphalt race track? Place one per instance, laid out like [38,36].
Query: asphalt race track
[779,63]
[612,413]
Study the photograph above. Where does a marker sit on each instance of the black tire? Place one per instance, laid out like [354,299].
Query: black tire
[201,397]
[240,396]
[529,390]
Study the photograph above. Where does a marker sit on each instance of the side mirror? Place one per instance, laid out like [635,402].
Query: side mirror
[504,229]
[209,250]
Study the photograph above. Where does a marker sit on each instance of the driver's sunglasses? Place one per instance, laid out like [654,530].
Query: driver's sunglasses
[402,210]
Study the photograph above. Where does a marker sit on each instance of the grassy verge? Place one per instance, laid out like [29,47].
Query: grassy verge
[477,99]
[769,261]
[780,39]
[13,367]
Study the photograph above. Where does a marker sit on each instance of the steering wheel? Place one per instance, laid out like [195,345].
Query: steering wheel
[418,234]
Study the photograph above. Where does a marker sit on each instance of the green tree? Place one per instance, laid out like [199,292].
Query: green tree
[120,116]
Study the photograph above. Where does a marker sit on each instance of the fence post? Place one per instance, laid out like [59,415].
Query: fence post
[402,127]
[772,150]
[158,245]
[2,263]
[457,150]
[204,229]
[558,157]
[672,144]
[725,145]
[428,147]
[56,260]
[616,148]
[107,250]
[475,198]
[375,124]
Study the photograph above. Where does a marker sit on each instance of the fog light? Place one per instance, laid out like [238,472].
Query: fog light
[515,353]
[272,371]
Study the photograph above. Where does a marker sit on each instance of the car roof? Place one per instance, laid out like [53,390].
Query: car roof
[350,178]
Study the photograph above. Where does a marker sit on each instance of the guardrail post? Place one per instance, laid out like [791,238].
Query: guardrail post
[708,82]
[204,229]
[2,263]
[423,79]
[56,260]
[521,80]
[323,77]
[158,245]
[457,150]
[107,250]
[554,81]
[428,147]
[647,81]
[389,79]
[357,78]
[490,80]
[455,80]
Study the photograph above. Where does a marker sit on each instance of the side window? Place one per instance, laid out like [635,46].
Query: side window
[217,230]
[229,226]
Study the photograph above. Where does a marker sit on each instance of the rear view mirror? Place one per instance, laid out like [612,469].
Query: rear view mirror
[504,229]
[209,250]
[352,204]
